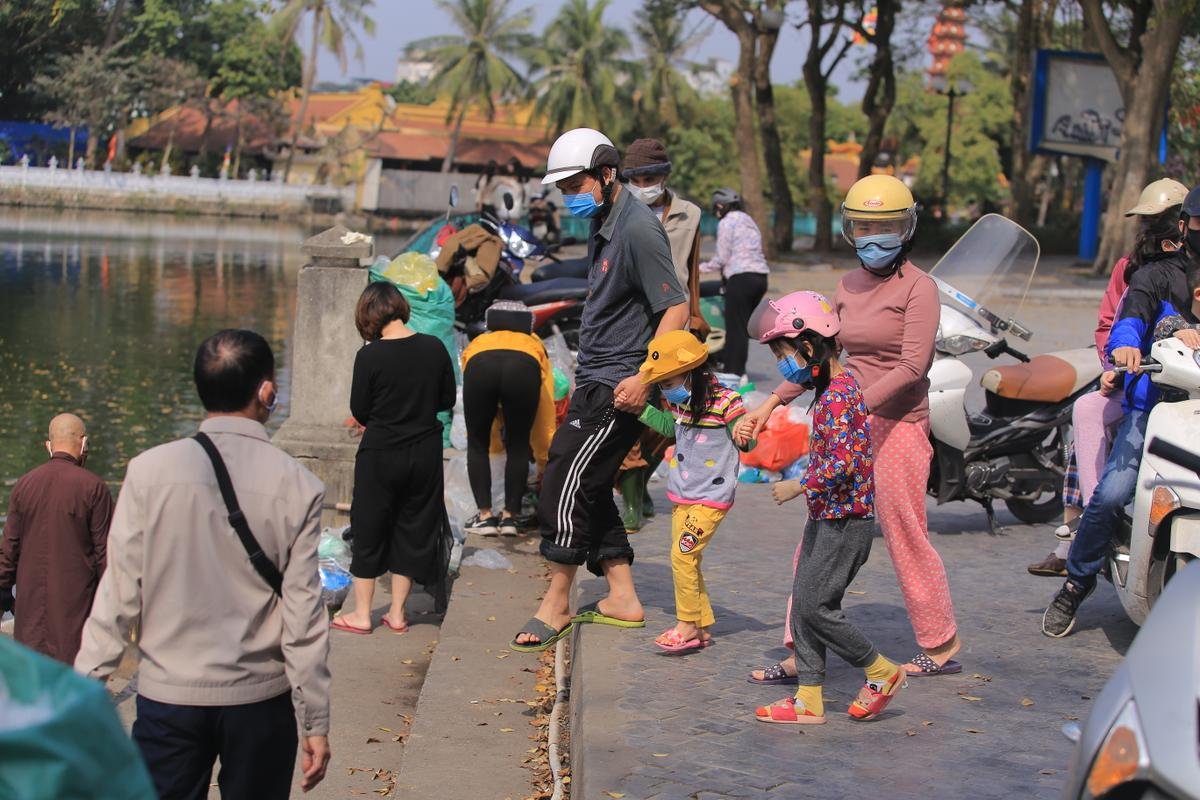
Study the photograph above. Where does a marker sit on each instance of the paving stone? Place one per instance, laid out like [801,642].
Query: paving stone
[699,708]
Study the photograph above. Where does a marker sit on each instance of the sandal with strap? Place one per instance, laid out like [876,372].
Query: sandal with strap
[928,668]
[774,675]
[873,698]
[670,642]
[547,636]
[787,712]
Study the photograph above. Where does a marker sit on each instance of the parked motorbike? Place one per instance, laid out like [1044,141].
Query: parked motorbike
[1164,532]
[557,305]
[1016,448]
[1139,741]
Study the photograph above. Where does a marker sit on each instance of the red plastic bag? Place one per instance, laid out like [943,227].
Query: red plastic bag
[780,443]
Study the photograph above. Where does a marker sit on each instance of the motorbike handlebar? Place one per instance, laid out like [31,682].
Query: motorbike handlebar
[1175,454]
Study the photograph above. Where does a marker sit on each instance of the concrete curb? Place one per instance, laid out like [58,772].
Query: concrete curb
[470,735]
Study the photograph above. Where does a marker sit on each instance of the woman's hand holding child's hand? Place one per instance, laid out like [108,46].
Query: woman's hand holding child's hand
[783,491]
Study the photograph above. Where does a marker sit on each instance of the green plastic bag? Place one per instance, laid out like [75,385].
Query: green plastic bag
[60,735]
[432,309]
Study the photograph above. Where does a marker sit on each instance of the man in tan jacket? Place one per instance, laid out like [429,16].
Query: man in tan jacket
[231,666]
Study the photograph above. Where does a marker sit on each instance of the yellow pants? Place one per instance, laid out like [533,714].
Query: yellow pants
[692,528]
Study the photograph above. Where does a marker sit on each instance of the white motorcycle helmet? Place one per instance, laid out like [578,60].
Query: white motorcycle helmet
[579,150]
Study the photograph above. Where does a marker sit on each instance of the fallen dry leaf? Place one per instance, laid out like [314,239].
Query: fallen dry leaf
[852,591]
[615,795]
[660,755]
[372,740]
[910,733]
[1048,772]
[506,730]
[1027,702]
[926,722]
[407,662]
[970,698]
[973,730]
[981,677]
[491,619]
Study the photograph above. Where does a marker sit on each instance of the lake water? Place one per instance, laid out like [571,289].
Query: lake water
[101,314]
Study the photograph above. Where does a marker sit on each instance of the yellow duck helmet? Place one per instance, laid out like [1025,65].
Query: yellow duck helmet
[671,354]
[878,199]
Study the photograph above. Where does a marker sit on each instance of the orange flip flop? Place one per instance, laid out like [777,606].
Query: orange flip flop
[785,712]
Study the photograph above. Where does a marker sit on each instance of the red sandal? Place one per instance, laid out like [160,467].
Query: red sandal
[787,712]
[873,698]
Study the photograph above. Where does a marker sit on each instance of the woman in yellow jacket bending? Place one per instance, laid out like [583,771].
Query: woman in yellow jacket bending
[508,396]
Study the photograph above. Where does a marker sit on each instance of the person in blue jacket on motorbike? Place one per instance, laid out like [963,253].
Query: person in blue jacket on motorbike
[1167,288]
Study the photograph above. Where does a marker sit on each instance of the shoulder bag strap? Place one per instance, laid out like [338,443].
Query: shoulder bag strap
[262,564]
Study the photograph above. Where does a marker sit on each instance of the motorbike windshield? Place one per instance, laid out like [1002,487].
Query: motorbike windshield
[988,273]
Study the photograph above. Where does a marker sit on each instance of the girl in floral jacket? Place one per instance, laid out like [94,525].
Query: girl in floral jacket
[839,487]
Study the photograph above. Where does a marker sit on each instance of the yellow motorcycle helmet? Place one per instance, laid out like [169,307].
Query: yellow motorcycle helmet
[878,199]
[671,354]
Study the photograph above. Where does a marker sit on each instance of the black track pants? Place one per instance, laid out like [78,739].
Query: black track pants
[580,522]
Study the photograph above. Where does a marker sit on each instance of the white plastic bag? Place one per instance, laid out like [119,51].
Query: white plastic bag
[488,559]
[560,355]
[458,427]
[460,504]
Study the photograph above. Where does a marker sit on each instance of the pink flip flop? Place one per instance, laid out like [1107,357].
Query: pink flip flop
[680,645]
[338,624]
[396,628]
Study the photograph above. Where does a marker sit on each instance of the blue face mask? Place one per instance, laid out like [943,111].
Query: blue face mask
[678,395]
[581,205]
[877,253]
[793,372]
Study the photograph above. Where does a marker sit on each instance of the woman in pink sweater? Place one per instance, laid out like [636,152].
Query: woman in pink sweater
[889,311]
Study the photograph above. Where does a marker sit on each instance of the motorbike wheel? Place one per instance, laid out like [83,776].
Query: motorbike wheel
[1040,511]
[1037,512]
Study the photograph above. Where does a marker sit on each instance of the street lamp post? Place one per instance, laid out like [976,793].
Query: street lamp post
[943,87]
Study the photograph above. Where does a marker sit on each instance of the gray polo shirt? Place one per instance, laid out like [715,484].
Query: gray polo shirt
[631,281]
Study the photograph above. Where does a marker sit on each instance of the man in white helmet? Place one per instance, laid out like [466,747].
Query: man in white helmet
[634,295]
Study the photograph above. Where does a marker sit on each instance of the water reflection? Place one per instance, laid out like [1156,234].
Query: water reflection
[100,314]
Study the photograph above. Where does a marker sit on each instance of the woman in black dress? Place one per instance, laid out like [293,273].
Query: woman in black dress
[402,379]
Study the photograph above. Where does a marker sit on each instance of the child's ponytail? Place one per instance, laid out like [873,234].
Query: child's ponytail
[701,379]
[824,350]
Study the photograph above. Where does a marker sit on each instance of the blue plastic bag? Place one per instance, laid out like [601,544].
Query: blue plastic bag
[60,735]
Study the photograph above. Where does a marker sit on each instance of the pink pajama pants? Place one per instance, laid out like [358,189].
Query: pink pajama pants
[1093,419]
[902,455]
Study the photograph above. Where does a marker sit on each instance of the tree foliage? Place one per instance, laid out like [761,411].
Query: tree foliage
[578,67]
[475,67]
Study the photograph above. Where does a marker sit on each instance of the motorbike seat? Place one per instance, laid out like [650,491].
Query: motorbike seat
[549,291]
[1049,378]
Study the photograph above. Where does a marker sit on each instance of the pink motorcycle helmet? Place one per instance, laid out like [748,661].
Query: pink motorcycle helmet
[791,315]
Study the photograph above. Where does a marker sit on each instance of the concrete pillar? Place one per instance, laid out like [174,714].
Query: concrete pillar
[324,344]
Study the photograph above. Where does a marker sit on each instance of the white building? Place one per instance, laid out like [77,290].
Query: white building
[710,78]
[413,71]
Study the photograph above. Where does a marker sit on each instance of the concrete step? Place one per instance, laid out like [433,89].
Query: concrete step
[472,729]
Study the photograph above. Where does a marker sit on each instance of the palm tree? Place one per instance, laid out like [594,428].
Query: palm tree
[660,30]
[578,68]
[472,68]
[332,23]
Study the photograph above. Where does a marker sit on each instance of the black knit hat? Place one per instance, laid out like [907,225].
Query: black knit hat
[646,157]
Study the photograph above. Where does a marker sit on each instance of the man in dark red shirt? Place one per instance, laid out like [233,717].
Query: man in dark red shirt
[53,546]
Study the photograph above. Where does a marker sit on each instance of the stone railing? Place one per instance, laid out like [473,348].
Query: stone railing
[186,188]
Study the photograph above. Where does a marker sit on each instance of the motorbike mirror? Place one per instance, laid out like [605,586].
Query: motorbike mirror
[508,201]
[454,196]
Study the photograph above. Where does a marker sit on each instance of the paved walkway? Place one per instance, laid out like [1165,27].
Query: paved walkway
[682,727]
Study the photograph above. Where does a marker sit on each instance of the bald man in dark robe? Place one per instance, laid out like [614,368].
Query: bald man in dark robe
[53,547]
